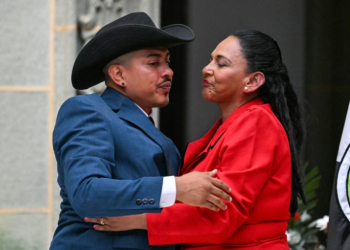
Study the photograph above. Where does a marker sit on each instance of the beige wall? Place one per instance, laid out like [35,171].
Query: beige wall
[27,116]
[38,45]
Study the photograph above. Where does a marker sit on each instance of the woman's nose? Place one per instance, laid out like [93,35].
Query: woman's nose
[207,70]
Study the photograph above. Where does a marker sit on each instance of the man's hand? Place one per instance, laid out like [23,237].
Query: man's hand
[202,190]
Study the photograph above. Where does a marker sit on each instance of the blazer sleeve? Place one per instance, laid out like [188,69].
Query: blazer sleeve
[83,146]
[246,159]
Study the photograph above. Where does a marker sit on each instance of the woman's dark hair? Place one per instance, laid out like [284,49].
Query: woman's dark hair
[263,54]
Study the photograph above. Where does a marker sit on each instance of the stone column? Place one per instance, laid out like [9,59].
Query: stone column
[38,45]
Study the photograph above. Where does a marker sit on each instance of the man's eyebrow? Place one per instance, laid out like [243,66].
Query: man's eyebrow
[157,55]
[220,56]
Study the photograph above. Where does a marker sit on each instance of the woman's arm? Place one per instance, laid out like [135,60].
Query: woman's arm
[121,223]
[245,162]
[124,223]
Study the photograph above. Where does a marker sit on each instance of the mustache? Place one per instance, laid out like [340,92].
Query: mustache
[164,81]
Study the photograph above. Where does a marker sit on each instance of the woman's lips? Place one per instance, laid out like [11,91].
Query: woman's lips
[206,82]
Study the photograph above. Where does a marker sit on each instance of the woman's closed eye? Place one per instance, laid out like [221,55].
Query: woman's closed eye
[221,64]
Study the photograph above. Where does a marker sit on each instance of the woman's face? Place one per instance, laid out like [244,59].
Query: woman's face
[226,74]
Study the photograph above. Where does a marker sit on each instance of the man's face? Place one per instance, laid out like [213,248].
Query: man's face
[148,78]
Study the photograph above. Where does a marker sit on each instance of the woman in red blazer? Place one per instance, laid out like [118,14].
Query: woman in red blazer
[255,147]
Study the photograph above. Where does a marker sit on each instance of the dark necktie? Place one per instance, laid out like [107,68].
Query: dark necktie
[151,119]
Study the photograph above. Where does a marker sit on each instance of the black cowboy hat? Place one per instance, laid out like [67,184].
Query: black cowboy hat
[132,32]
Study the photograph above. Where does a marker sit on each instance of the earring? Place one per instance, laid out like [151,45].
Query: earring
[123,84]
[246,88]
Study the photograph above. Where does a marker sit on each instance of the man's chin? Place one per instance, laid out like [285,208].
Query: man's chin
[162,104]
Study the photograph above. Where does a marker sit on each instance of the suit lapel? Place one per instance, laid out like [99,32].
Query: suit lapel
[128,111]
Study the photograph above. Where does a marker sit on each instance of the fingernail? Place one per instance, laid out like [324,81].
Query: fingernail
[230,198]
[85,219]
[94,227]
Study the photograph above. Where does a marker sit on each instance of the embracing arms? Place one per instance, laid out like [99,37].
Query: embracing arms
[260,183]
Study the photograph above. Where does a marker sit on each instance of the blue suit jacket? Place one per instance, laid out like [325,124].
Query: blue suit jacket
[110,160]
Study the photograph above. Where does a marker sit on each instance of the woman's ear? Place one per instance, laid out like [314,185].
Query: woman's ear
[115,73]
[256,80]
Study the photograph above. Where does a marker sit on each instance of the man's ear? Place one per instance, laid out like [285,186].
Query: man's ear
[257,79]
[115,73]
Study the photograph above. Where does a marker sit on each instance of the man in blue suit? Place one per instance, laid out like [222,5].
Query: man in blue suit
[111,159]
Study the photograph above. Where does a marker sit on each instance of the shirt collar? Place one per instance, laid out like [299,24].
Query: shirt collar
[148,115]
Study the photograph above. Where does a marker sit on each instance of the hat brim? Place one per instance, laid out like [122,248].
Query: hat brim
[87,69]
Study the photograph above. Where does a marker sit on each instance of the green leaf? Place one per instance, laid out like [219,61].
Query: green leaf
[311,184]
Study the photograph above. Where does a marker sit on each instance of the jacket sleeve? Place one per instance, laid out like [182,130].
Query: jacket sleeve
[245,162]
[83,146]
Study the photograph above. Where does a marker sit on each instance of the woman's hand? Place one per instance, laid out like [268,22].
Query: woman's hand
[121,223]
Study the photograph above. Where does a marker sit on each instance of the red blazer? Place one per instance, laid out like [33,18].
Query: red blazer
[251,152]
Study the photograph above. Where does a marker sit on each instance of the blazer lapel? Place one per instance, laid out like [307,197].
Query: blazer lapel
[197,150]
[224,126]
[127,110]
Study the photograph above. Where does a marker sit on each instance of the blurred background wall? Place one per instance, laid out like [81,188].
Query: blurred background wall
[40,40]
[314,38]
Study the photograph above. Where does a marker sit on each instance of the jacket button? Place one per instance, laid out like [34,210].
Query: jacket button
[138,202]
[151,201]
[144,201]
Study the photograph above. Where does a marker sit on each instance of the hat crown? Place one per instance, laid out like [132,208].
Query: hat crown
[129,33]
[136,18]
